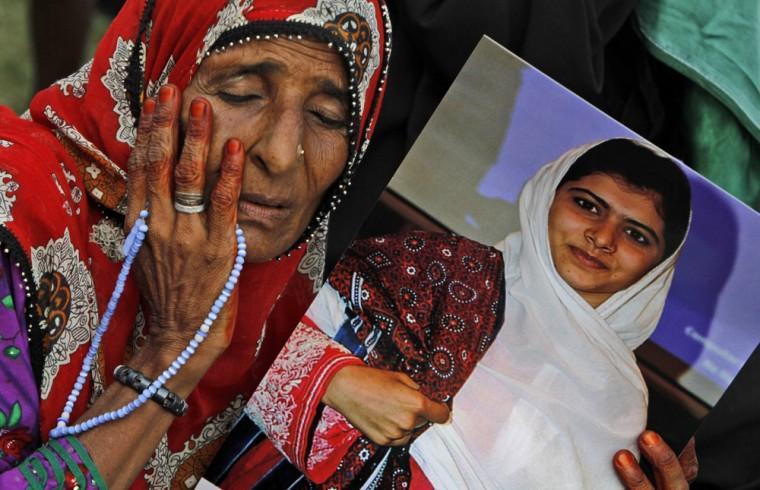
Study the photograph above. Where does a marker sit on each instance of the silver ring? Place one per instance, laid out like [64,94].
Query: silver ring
[182,208]
[188,198]
[189,202]
[299,151]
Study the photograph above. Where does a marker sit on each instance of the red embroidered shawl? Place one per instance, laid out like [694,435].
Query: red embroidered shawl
[62,195]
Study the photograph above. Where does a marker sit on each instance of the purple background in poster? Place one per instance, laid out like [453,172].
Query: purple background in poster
[710,319]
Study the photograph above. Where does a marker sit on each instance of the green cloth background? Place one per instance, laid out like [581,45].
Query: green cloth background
[716,45]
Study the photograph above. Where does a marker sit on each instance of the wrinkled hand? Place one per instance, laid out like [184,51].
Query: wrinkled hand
[671,472]
[186,258]
[385,406]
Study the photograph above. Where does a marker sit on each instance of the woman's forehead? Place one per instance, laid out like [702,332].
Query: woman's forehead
[278,57]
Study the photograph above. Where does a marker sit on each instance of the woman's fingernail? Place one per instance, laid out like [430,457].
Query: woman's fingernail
[166,93]
[198,108]
[233,146]
[651,438]
[149,106]
[624,459]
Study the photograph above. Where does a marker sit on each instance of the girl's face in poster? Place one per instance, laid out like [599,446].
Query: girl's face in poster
[604,235]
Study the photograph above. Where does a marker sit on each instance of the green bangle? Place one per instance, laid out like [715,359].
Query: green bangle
[88,462]
[37,466]
[72,465]
[33,481]
[54,462]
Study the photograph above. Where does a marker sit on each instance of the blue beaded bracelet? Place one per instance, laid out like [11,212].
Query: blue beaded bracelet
[132,244]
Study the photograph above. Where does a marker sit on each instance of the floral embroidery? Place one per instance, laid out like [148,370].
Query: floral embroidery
[7,188]
[114,81]
[312,264]
[273,405]
[76,83]
[167,469]
[109,236]
[230,17]
[353,21]
[66,302]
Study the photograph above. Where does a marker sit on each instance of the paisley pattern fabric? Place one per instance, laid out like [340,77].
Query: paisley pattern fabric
[114,80]
[65,302]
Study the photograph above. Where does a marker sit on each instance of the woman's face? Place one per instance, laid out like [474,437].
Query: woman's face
[277,97]
[604,235]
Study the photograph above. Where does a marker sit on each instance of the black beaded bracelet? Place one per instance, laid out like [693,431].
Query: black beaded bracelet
[137,381]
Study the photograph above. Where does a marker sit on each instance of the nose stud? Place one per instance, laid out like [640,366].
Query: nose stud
[300,152]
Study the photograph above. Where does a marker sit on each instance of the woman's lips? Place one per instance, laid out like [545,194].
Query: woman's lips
[263,210]
[587,260]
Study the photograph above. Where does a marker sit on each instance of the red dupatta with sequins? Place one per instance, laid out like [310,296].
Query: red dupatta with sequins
[64,194]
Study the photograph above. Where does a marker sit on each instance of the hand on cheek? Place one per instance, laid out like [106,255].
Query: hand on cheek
[187,255]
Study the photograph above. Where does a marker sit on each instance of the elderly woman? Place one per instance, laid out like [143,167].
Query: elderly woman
[278,107]
[532,340]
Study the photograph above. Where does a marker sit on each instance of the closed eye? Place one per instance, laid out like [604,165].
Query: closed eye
[329,121]
[237,99]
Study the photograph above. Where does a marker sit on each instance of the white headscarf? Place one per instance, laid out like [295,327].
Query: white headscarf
[559,390]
